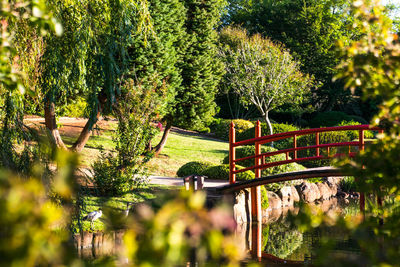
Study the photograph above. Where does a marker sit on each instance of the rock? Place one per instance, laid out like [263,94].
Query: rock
[324,190]
[295,195]
[308,192]
[77,240]
[285,194]
[274,200]
[97,239]
[241,207]
[342,194]
[271,215]
[333,184]
[87,238]
[332,180]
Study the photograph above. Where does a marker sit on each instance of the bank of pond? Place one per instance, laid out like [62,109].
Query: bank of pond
[280,241]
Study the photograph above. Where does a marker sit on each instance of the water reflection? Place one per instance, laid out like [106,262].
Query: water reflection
[274,242]
[277,242]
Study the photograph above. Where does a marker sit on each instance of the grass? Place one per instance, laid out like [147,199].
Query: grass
[179,149]
[182,148]
[117,204]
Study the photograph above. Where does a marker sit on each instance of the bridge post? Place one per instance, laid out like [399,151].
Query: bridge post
[317,143]
[232,156]
[256,211]
[256,240]
[361,148]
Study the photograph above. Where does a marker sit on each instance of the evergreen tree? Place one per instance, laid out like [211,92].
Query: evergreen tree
[201,70]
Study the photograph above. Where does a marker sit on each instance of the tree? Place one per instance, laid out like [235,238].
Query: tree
[310,30]
[261,72]
[201,70]
[90,59]
[12,90]
[372,65]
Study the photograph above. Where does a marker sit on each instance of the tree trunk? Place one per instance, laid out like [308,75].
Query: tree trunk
[86,133]
[163,141]
[266,116]
[51,125]
[87,130]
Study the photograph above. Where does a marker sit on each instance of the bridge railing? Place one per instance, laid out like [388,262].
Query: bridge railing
[292,154]
[260,158]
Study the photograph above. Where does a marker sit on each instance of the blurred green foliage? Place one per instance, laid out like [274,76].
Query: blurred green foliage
[371,65]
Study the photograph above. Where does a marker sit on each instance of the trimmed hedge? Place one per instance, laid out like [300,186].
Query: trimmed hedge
[220,127]
[193,167]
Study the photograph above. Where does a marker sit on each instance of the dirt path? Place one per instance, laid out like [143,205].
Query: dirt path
[72,127]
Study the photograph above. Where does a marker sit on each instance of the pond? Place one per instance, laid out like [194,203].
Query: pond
[279,243]
[275,240]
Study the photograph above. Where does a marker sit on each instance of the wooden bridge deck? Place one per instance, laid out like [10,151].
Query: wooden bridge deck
[276,178]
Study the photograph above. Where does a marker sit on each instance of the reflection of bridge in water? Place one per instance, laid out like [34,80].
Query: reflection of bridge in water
[316,151]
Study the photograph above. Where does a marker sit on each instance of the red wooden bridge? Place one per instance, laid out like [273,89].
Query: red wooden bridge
[320,151]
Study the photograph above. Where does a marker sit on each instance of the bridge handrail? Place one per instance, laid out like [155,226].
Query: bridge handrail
[259,140]
[259,158]
[280,136]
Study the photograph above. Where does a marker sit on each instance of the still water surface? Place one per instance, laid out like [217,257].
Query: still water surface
[276,240]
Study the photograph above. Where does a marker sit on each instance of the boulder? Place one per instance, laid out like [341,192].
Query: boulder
[274,200]
[308,192]
[285,193]
[295,195]
[333,184]
[324,190]
[241,207]
[271,215]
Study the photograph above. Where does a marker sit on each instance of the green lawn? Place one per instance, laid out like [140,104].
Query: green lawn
[116,204]
[182,148]
[179,149]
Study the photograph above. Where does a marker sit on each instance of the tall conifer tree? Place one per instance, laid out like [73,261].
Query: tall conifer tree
[201,70]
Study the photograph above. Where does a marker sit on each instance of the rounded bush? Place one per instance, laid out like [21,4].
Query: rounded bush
[221,127]
[193,167]
[246,151]
[221,172]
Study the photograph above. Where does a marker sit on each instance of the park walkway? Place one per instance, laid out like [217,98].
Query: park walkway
[173,181]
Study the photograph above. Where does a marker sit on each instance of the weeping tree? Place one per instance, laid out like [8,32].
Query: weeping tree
[193,106]
[16,153]
[90,59]
[261,72]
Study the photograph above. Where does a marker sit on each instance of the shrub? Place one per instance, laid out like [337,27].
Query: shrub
[246,151]
[221,127]
[353,135]
[332,118]
[277,128]
[76,109]
[193,167]
[109,180]
[222,172]
[348,184]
